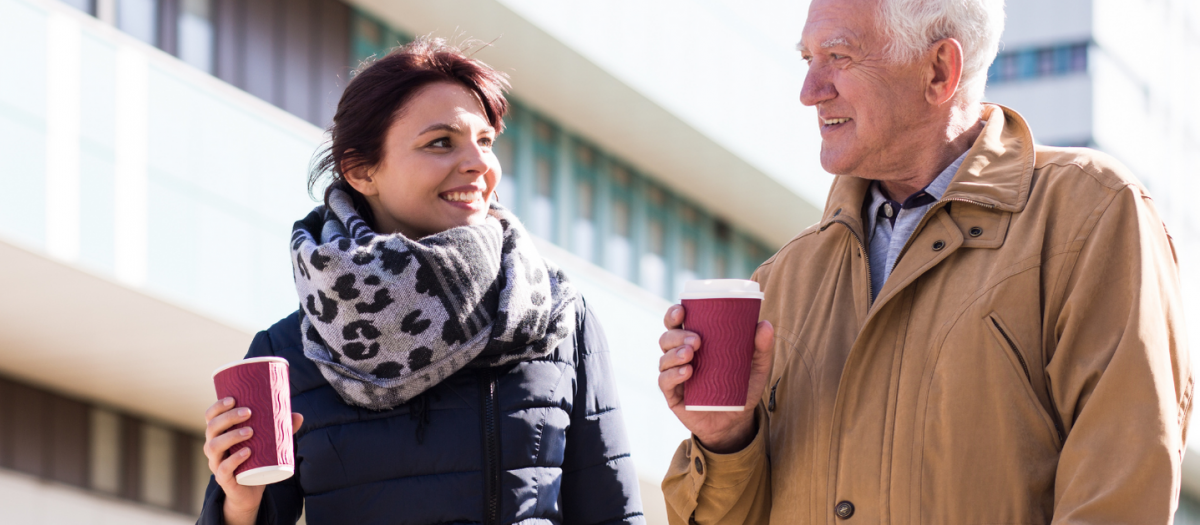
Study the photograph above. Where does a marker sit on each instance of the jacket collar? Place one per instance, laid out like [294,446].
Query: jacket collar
[997,172]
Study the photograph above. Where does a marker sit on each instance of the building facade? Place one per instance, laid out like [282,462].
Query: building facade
[159,153]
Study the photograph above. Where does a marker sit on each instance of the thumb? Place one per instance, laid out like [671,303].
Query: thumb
[764,338]
[297,420]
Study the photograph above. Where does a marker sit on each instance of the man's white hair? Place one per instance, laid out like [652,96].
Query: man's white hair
[913,25]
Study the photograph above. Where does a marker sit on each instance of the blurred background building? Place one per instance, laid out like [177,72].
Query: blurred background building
[156,153]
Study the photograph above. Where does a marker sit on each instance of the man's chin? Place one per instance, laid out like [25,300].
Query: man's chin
[836,162]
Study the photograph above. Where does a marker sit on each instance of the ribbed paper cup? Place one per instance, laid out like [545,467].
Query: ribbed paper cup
[261,384]
[724,313]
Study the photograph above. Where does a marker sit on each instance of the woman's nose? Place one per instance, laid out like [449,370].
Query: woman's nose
[474,160]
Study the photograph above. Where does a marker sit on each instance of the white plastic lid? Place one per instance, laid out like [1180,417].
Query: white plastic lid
[248,361]
[721,289]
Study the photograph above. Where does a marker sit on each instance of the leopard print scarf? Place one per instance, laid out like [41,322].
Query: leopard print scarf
[387,317]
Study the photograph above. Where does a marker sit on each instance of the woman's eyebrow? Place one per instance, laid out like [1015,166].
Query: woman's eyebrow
[441,126]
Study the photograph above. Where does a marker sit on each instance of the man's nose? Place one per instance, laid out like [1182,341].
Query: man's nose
[817,87]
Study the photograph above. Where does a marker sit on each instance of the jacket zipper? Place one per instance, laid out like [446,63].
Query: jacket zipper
[1057,424]
[491,447]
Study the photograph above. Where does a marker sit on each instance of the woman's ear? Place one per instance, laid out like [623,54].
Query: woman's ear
[358,175]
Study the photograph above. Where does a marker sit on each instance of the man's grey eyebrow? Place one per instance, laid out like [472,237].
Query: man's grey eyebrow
[834,42]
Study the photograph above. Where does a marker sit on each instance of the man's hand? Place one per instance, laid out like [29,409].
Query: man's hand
[721,432]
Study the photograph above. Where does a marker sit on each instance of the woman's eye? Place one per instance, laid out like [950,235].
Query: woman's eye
[443,142]
[485,142]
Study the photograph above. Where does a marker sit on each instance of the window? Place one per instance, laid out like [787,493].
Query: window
[1023,64]
[139,18]
[652,267]
[196,34]
[541,213]
[583,232]
[87,6]
[618,249]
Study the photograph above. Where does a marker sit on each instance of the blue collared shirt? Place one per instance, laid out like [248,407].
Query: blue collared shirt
[891,223]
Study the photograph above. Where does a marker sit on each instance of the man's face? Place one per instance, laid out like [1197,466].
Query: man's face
[867,107]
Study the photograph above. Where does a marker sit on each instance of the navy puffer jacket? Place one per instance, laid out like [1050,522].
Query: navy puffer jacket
[534,442]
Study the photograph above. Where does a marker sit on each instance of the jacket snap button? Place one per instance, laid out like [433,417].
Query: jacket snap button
[844,510]
[976,231]
[699,466]
[938,245]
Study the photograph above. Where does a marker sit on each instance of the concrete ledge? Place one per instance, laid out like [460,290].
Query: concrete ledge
[86,336]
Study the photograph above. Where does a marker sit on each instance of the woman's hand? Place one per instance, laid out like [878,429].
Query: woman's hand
[241,502]
[720,432]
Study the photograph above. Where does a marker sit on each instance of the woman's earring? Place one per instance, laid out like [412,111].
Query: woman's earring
[496,196]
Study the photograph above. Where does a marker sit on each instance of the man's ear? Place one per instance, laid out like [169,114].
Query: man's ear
[358,174]
[945,65]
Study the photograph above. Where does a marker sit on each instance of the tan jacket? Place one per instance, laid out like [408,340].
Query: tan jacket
[1024,363]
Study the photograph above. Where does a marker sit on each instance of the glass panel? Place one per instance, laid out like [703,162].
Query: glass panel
[1079,57]
[1046,62]
[583,235]
[105,471]
[139,18]
[618,250]
[1027,64]
[196,34]
[158,465]
[87,6]
[688,259]
[652,267]
[541,213]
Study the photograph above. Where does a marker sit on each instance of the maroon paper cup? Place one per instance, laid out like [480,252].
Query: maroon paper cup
[261,384]
[724,313]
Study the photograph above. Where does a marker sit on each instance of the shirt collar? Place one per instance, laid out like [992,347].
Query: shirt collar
[928,195]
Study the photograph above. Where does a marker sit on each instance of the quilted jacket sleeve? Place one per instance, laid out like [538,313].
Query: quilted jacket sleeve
[282,502]
[599,482]
[1119,371]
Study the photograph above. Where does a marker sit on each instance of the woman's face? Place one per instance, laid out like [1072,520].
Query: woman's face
[437,170]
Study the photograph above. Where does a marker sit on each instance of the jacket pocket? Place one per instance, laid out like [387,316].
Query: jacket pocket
[1005,339]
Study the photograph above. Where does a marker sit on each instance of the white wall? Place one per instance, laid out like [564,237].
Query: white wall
[1058,109]
[26,500]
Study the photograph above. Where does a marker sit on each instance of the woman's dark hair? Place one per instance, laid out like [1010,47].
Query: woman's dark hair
[377,93]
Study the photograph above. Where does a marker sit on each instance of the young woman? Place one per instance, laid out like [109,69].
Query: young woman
[446,373]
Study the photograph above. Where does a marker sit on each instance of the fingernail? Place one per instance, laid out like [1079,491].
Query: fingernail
[246,431]
[690,341]
[681,350]
[243,412]
[682,370]
[227,401]
[244,452]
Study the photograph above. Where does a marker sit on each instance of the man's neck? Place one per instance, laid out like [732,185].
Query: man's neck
[964,128]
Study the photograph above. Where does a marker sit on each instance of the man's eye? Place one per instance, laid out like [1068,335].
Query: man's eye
[836,56]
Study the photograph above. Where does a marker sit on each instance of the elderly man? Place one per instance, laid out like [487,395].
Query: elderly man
[980,330]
